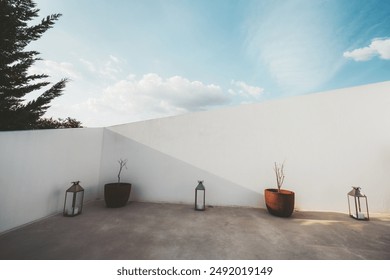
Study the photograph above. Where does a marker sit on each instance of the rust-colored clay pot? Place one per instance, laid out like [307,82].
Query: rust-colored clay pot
[280,203]
[116,194]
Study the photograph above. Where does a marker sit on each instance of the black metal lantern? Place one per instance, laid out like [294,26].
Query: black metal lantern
[74,197]
[200,197]
[359,209]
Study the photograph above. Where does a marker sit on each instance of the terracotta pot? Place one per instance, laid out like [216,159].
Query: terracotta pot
[116,194]
[281,203]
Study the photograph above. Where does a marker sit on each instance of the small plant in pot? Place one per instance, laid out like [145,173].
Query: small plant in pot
[117,194]
[279,202]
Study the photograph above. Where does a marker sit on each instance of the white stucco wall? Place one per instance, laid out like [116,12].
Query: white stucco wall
[159,177]
[36,168]
[329,141]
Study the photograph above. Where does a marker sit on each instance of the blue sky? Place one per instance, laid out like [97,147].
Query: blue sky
[131,60]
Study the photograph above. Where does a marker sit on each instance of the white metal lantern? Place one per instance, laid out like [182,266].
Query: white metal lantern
[358,208]
[200,197]
[74,197]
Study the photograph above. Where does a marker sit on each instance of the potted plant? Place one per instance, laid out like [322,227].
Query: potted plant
[117,194]
[279,202]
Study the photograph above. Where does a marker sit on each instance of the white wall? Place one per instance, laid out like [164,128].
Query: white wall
[329,142]
[159,177]
[36,168]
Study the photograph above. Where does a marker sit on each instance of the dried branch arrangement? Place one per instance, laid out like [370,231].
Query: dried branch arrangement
[122,163]
[279,174]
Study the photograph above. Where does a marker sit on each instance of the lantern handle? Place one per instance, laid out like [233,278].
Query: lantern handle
[75,182]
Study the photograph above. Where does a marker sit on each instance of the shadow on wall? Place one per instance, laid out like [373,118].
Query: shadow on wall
[158,177]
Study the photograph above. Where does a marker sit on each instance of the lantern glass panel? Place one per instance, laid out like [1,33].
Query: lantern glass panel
[69,204]
[357,204]
[200,194]
[79,202]
[73,200]
[73,203]
[200,203]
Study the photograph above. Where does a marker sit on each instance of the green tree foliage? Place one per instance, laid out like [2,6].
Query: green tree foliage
[15,82]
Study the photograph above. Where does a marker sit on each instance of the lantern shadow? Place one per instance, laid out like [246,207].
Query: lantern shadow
[316,215]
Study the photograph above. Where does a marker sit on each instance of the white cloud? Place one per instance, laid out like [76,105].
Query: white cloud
[108,98]
[245,90]
[147,97]
[299,53]
[90,66]
[382,47]
[111,68]
[101,95]
[114,58]
[152,96]
[362,54]
[106,69]
[378,47]
[56,70]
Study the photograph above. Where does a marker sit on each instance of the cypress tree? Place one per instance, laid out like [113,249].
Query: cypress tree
[15,82]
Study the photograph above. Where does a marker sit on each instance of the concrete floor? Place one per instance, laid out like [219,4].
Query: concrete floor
[171,231]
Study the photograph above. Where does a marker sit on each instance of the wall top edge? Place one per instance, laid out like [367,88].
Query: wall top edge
[385,85]
[58,130]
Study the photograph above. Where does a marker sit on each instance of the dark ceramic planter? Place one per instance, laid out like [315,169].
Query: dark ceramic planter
[281,203]
[116,194]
